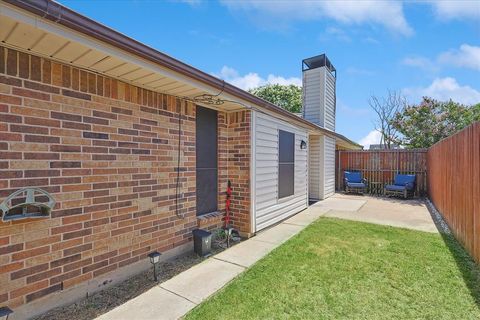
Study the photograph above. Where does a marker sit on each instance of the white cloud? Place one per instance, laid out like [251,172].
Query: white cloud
[467,56]
[387,13]
[456,9]
[373,137]
[212,38]
[253,79]
[371,40]
[190,2]
[444,89]
[359,71]
[336,33]
[349,111]
[420,62]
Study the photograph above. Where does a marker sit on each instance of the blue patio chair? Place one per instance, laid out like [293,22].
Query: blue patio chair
[404,185]
[354,182]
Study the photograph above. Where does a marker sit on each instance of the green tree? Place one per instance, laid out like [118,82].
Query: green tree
[289,97]
[430,121]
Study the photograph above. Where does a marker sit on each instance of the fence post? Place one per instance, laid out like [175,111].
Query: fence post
[339,169]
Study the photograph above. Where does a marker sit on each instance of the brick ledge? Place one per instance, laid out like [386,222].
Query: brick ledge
[211,215]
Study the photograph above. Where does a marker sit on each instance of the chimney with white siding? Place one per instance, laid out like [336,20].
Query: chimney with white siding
[319,77]
[319,91]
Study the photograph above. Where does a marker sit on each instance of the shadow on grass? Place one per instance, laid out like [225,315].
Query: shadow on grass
[468,267]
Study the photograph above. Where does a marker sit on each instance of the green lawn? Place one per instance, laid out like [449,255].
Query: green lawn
[337,269]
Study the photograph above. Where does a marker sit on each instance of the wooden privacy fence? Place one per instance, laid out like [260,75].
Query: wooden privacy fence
[454,185]
[380,166]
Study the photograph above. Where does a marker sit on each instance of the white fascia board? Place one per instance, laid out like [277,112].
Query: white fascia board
[71,35]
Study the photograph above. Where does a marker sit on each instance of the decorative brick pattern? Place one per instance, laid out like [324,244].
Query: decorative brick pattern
[107,152]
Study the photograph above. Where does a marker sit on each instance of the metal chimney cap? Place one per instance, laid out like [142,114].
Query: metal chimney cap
[317,62]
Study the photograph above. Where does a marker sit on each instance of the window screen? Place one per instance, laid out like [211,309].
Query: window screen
[206,156]
[286,163]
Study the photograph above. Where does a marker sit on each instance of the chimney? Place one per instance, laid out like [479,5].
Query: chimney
[319,96]
[319,77]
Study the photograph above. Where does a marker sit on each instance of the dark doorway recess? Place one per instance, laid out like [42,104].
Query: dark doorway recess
[207,161]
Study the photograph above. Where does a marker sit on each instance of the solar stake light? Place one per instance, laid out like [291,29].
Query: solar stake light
[5,312]
[154,259]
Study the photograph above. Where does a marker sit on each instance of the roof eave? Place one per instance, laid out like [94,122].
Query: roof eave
[64,16]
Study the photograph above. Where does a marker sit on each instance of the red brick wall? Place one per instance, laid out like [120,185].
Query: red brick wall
[107,152]
[233,165]
[239,168]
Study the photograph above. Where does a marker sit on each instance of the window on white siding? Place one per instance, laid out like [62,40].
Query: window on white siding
[286,163]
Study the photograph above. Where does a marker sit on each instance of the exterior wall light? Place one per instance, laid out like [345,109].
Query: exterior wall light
[154,259]
[303,145]
[5,312]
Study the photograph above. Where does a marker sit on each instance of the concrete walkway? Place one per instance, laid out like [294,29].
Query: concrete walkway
[173,298]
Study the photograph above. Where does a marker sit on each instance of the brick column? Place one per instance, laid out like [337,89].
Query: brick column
[239,150]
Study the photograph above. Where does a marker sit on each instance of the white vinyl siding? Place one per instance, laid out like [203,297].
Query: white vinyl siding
[329,173]
[314,168]
[321,167]
[329,101]
[319,97]
[314,95]
[268,209]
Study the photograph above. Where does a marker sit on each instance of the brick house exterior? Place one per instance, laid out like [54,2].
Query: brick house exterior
[108,127]
[107,151]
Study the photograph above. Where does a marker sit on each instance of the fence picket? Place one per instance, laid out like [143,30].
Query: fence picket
[382,165]
[449,172]
[454,184]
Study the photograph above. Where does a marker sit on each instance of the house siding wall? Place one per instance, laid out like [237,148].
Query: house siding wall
[268,208]
[107,152]
[314,95]
[329,167]
[315,168]
[319,97]
[321,167]
[329,101]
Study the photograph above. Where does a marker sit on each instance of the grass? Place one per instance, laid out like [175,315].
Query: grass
[337,269]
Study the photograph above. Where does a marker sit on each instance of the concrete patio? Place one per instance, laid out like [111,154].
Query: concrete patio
[172,299]
[410,213]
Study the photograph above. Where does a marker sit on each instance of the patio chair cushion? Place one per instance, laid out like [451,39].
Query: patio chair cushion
[355,177]
[356,185]
[392,187]
[405,180]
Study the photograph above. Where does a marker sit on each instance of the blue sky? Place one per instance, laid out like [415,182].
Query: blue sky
[419,48]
